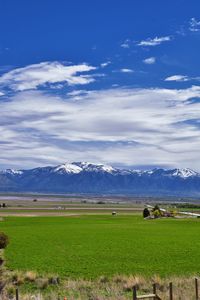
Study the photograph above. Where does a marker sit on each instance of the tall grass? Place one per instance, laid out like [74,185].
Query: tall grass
[118,287]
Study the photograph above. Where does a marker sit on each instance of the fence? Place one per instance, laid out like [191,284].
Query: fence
[153,296]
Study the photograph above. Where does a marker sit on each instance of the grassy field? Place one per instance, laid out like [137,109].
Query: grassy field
[96,245]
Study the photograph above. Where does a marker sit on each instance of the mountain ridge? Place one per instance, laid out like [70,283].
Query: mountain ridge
[86,177]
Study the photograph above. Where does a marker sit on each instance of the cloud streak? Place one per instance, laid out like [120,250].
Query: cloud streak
[150,42]
[34,76]
[105,64]
[149,60]
[125,70]
[177,78]
[126,44]
[194,25]
[181,78]
[119,126]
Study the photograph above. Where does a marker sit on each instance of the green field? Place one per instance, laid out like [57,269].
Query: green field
[90,246]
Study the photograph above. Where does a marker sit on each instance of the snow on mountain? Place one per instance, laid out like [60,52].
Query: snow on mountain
[77,167]
[11,171]
[90,167]
[184,173]
[67,168]
[181,173]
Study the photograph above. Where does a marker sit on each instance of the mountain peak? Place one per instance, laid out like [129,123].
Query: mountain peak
[67,168]
[77,167]
[184,173]
[88,166]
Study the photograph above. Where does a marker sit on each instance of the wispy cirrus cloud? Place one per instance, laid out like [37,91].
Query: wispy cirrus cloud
[154,41]
[181,78]
[194,25]
[177,78]
[105,64]
[126,70]
[33,76]
[126,44]
[149,60]
[152,126]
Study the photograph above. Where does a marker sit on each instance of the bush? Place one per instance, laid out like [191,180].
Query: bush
[157,213]
[101,202]
[42,283]
[146,213]
[3,240]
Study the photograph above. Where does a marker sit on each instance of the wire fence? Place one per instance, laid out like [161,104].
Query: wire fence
[137,296]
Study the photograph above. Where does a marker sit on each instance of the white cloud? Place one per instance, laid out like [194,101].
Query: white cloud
[149,60]
[126,70]
[126,44]
[1,94]
[152,126]
[33,76]
[155,41]
[181,78]
[105,64]
[194,25]
[177,78]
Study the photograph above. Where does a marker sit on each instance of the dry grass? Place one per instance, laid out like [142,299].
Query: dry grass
[30,276]
[116,288]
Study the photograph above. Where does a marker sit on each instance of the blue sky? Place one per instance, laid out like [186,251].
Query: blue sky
[115,82]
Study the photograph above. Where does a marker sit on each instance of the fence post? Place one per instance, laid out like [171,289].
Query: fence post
[170,291]
[134,293]
[154,289]
[196,289]
[17,294]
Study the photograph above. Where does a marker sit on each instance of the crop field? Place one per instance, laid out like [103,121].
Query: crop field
[89,246]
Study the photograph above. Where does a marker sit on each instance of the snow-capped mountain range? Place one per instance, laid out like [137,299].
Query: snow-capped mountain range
[85,177]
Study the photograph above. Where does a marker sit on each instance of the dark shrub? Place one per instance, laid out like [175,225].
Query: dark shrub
[3,240]
[100,202]
[146,213]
